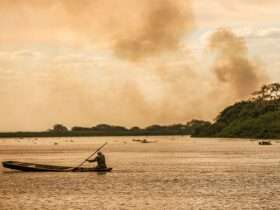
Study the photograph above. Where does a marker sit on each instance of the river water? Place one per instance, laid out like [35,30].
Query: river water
[170,173]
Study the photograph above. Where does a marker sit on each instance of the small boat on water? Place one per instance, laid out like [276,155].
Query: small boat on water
[32,167]
[144,141]
[265,142]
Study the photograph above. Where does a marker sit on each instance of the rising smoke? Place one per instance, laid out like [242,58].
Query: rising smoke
[161,30]
[133,29]
[233,65]
[149,78]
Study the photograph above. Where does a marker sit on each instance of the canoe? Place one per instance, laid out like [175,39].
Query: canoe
[32,167]
[265,143]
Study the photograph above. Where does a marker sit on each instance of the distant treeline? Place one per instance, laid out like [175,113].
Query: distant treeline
[257,117]
[60,130]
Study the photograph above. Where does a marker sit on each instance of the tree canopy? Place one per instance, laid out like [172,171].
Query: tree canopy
[258,117]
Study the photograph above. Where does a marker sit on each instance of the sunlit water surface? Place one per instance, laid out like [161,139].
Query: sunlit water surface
[170,173]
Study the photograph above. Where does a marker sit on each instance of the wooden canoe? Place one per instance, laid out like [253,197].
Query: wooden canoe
[32,167]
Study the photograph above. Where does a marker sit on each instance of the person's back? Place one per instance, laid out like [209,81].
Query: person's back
[100,159]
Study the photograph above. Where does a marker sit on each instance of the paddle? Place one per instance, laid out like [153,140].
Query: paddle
[88,157]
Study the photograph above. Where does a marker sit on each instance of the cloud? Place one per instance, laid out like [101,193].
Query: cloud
[26,53]
[257,33]
[267,33]
[223,13]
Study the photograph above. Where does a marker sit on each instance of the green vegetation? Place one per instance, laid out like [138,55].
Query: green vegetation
[258,117]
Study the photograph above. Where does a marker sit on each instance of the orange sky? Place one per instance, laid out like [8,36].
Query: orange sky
[129,62]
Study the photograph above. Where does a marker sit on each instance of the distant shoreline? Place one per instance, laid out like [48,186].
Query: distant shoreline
[47,134]
[81,134]
[255,118]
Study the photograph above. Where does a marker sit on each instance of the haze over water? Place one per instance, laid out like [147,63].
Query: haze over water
[131,62]
[137,63]
[171,173]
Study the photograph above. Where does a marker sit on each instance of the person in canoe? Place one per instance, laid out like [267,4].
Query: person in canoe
[100,160]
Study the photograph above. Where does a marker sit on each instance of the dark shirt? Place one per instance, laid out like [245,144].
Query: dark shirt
[101,161]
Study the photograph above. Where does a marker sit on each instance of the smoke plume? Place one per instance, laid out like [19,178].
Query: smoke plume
[80,74]
[133,29]
[232,65]
[161,30]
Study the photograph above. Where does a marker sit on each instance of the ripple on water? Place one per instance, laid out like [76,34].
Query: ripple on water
[169,174]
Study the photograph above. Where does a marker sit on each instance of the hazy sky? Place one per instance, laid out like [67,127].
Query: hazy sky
[131,62]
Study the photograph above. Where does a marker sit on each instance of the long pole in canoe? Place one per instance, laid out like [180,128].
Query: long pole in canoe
[91,156]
